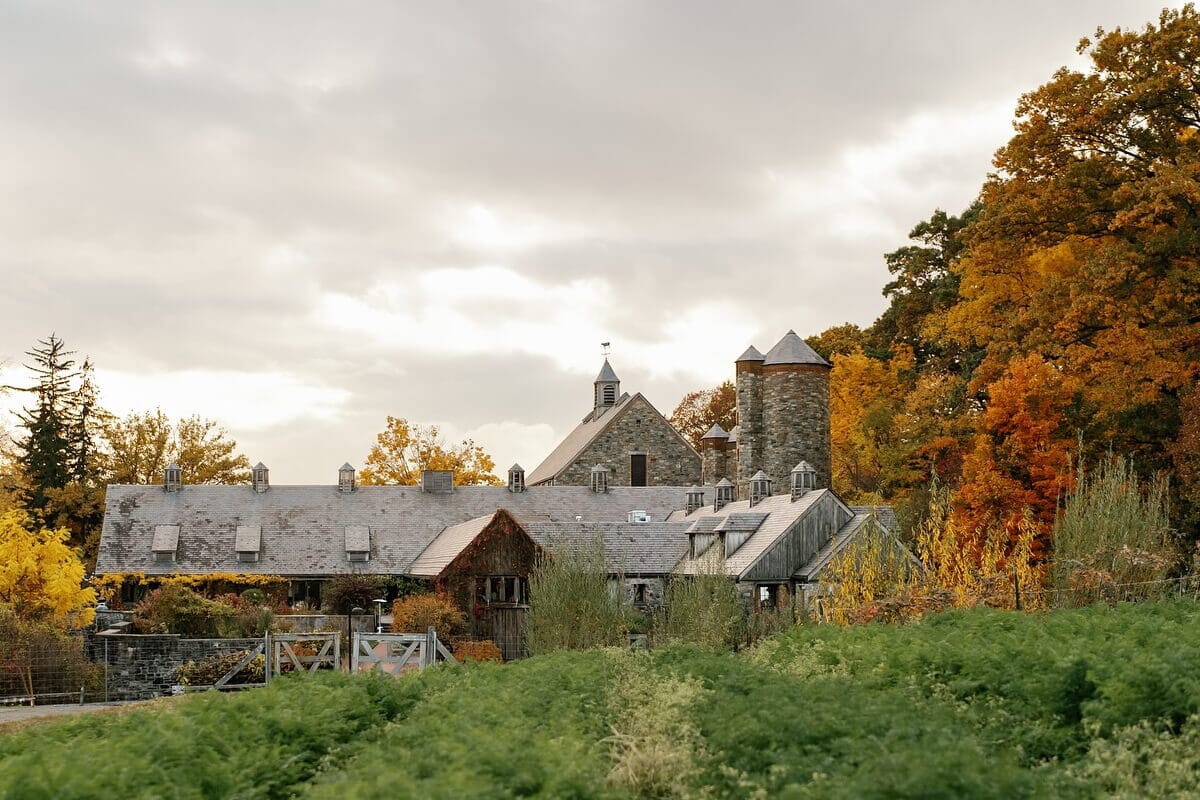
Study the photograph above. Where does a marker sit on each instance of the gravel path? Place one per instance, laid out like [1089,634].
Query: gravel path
[11,717]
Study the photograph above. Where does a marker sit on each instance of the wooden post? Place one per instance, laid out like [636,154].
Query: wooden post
[430,654]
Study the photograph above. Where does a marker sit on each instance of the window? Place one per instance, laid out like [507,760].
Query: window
[639,594]
[768,596]
[505,590]
[637,469]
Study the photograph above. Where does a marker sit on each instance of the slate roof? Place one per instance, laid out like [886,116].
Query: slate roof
[606,374]
[634,548]
[303,527]
[446,547]
[791,349]
[715,432]
[751,354]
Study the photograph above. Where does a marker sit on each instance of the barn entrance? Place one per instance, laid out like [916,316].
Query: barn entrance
[501,614]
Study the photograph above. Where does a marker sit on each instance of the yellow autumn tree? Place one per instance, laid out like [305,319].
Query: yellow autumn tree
[41,592]
[403,450]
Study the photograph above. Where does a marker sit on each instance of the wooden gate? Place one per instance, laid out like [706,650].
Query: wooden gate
[235,677]
[305,652]
[396,653]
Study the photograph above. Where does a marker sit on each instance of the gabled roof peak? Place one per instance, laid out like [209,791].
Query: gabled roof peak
[791,349]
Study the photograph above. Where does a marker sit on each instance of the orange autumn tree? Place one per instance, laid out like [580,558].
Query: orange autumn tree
[1022,452]
[403,450]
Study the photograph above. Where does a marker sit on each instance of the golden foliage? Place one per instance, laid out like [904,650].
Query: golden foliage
[418,613]
[403,450]
[109,585]
[41,577]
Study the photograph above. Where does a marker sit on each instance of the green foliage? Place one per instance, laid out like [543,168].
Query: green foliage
[572,604]
[178,609]
[1101,701]
[700,609]
[1113,531]
[346,592]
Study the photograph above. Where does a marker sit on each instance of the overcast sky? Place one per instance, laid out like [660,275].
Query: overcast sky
[298,218]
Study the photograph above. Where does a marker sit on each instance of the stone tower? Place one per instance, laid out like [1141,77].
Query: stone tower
[783,410]
[749,368]
[714,456]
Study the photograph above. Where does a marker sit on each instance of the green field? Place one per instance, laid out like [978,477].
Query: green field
[1091,703]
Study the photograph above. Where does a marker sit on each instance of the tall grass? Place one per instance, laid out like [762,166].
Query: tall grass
[1112,537]
[572,603]
[701,609]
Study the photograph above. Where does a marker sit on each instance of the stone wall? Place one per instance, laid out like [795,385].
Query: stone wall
[653,593]
[142,666]
[670,461]
[714,460]
[750,424]
[795,422]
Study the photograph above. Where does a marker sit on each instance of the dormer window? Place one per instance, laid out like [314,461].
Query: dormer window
[165,543]
[760,487]
[248,543]
[804,479]
[516,479]
[725,491]
[346,478]
[599,479]
[358,543]
[259,476]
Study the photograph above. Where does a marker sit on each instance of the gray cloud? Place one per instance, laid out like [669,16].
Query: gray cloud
[186,186]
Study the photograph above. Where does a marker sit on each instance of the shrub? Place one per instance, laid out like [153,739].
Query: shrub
[701,609]
[345,592]
[572,605]
[211,670]
[37,660]
[178,609]
[467,650]
[418,613]
[1112,531]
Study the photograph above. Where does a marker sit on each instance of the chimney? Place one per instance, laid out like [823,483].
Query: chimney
[172,477]
[259,477]
[346,482]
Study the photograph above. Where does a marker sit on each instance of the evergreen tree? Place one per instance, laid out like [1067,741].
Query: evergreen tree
[45,452]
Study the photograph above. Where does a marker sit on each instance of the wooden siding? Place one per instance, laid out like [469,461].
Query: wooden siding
[800,543]
[502,548]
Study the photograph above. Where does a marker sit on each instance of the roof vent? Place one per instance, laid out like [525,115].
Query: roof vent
[599,479]
[804,479]
[516,479]
[760,487]
[346,478]
[695,499]
[172,477]
[248,543]
[437,481]
[724,494]
[259,477]
[639,516]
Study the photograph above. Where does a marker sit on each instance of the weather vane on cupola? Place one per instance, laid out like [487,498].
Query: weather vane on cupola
[605,345]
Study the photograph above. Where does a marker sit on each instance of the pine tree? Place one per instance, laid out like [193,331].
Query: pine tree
[45,453]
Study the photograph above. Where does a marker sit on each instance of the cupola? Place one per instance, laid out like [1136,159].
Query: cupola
[607,388]
[725,489]
[516,479]
[804,479]
[695,499]
[760,487]
[599,479]
[346,483]
[259,476]
[172,477]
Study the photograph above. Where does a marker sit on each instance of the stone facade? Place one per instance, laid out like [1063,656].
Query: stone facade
[714,460]
[143,666]
[796,422]
[751,438]
[670,461]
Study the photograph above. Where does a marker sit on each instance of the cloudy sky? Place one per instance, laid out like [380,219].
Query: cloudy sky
[298,218]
